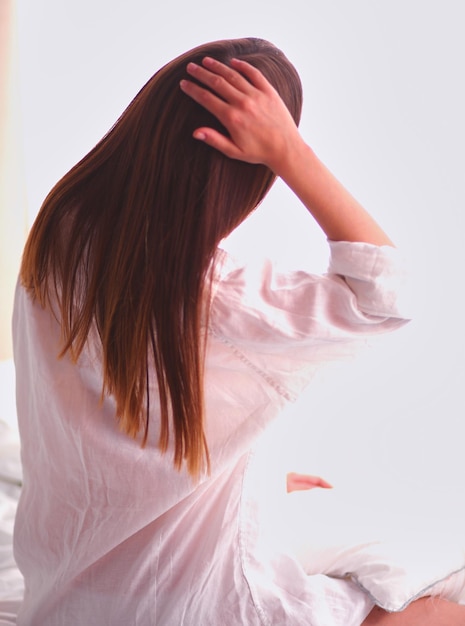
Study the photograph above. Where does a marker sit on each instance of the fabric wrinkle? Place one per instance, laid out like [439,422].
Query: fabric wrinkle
[134,538]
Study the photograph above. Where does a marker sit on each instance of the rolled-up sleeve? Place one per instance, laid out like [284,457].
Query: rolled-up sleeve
[376,274]
[287,323]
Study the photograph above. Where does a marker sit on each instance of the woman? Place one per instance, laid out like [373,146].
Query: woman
[136,441]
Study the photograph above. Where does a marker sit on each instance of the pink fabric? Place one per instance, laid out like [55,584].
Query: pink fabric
[109,533]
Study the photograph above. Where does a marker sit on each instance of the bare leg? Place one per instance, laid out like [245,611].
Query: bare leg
[423,612]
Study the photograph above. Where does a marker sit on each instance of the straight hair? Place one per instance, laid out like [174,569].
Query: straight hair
[125,240]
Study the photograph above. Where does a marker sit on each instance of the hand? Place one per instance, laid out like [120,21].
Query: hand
[260,126]
[263,131]
[302,482]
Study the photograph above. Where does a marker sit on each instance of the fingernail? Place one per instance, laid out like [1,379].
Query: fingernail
[200,135]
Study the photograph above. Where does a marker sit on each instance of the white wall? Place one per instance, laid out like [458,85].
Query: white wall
[13,218]
[384,106]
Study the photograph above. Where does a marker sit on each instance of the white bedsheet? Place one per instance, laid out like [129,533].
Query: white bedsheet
[396,544]
[11,582]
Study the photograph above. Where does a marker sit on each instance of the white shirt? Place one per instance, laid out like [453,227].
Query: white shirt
[110,533]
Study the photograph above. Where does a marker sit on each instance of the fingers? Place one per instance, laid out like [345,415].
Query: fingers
[224,80]
[205,98]
[221,81]
[227,89]
[302,482]
[252,73]
[244,102]
[228,83]
[218,141]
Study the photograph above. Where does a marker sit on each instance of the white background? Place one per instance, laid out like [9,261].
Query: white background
[384,108]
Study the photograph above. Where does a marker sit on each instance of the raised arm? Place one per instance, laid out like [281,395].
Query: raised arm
[262,131]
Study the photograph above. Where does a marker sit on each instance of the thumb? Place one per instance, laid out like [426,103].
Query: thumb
[218,141]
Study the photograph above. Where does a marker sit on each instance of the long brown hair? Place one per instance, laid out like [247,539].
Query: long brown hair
[126,238]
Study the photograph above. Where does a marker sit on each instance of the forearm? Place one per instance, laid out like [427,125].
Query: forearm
[339,215]
[261,130]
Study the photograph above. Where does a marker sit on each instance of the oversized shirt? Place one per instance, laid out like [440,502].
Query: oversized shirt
[110,533]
